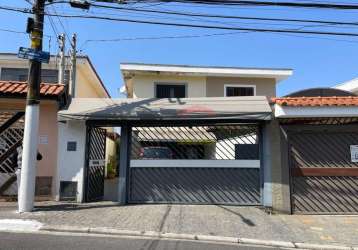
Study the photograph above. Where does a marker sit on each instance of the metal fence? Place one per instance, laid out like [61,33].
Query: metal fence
[324,177]
[11,135]
[229,142]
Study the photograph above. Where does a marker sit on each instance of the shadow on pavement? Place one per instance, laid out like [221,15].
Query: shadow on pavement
[245,220]
[70,207]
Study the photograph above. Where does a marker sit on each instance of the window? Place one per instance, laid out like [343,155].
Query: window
[21,74]
[247,152]
[170,91]
[14,74]
[239,90]
[71,146]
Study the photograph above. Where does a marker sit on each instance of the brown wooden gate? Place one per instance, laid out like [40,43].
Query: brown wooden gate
[324,179]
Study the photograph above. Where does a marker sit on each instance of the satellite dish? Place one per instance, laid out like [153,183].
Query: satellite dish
[123,89]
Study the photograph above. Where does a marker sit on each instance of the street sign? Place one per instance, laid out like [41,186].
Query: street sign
[28,53]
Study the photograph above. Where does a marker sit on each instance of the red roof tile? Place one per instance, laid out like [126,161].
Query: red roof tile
[20,88]
[317,101]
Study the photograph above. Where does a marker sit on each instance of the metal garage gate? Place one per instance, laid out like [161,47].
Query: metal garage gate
[195,164]
[324,176]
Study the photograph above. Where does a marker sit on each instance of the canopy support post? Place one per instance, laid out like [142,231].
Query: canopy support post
[125,142]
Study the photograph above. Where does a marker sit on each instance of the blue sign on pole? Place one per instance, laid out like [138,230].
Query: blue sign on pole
[29,53]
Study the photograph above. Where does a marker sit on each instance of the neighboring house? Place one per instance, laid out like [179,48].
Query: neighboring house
[317,137]
[54,96]
[351,86]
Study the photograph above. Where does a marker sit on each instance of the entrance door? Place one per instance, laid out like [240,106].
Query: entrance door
[95,167]
[324,178]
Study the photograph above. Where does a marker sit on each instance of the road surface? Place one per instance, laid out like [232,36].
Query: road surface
[66,242]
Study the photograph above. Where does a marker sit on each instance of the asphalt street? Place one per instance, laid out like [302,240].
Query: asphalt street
[57,242]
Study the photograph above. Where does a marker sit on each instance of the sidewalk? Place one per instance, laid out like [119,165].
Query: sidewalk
[230,221]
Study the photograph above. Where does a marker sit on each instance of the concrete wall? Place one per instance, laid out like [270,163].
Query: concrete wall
[71,163]
[276,178]
[87,85]
[143,85]
[264,87]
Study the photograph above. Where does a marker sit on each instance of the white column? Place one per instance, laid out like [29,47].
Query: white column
[26,193]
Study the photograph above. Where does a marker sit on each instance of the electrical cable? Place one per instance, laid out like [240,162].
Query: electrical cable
[207,26]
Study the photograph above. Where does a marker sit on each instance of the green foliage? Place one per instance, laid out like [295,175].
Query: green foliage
[112,166]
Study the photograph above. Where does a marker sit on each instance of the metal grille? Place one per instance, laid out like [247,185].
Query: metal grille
[195,185]
[8,139]
[317,150]
[323,184]
[96,150]
[11,135]
[195,164]
[325,194]
[196,142]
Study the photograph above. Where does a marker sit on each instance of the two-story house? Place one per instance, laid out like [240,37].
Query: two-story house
[54,96]
[189,134]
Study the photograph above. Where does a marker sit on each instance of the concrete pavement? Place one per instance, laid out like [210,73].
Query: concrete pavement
[227,221]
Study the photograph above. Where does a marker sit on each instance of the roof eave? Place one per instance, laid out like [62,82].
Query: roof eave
[277,74]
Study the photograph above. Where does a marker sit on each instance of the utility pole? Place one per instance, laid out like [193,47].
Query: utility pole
[73,66]
[26,192]
[61,71]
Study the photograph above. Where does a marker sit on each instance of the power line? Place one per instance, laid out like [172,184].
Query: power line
[159,37]
[208,26]
[197,36]
[224,16]
[13,31]
[63,27]
[22,10]
[195,26]
[269,3]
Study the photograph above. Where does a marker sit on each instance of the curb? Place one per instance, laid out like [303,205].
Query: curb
[192,237]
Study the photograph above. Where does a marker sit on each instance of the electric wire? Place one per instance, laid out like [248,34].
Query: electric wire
[207,26]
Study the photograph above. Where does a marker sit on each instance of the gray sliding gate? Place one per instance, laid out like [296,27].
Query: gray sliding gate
[195,164]
[324,178]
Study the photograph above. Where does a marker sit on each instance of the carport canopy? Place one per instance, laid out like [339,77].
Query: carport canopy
[153,109]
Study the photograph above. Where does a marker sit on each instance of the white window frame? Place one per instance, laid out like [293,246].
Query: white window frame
[238,86]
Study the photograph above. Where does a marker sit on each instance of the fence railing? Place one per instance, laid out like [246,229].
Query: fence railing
[219,142]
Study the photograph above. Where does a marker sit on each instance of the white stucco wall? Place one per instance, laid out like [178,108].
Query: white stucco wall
[143,85]
[70,164]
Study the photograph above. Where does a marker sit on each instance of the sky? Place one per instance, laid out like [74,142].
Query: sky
[317,61]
